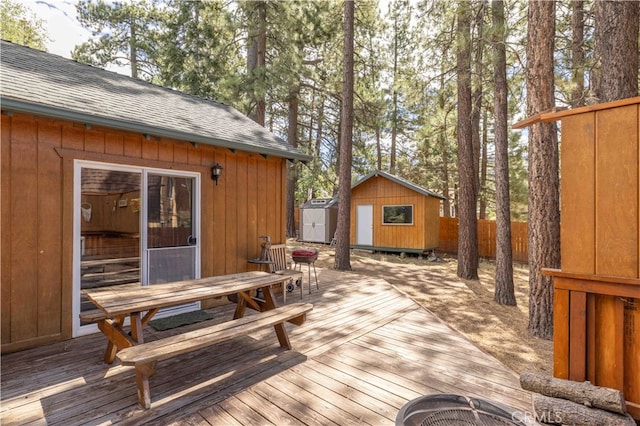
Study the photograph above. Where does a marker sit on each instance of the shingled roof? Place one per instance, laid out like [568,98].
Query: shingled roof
[44,84]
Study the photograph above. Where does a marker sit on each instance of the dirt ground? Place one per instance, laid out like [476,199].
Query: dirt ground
[465,305]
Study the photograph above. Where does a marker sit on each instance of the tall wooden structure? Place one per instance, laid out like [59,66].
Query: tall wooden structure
[597,289]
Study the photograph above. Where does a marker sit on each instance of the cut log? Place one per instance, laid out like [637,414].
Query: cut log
[561,411]
[580,392]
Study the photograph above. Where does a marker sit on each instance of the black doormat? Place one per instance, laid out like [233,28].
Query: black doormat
[179,320]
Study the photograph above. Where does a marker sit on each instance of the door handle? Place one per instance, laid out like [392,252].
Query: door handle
[191,240]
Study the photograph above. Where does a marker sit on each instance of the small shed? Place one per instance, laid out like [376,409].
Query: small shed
[597,290]
[391,214]
[318,220]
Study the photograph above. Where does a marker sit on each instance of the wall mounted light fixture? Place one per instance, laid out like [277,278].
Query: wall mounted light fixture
[216,172]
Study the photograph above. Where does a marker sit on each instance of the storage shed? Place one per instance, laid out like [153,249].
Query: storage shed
[318,220]
[108,179]
[389,213]
[597,289]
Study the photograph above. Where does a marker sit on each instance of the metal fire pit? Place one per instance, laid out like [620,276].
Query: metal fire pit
[453,410]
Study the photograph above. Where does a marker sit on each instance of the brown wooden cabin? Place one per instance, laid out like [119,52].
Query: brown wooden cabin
[391,214]
[106,180]
[597,289]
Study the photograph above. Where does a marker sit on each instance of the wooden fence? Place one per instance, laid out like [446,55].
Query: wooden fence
[486,238]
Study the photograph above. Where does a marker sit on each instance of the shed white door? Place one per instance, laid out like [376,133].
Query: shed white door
[364,225]
[313,225]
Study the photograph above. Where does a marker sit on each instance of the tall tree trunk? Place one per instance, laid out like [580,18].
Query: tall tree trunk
[292,174]
[477,93]
[252,45]
[577,53]
[261,108]
[133,47]
[504,289]
[256,54]
[394,107]
[483,168]
[378,148]
[467,176]
[446,203]
[442,141]
[616,50]
[544,204]
[310,135]
[343,256]
[318,144]
[319,133]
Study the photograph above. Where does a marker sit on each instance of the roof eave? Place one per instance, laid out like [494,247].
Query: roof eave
[556,114]
[12,104]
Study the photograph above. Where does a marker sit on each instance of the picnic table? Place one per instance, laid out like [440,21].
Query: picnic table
[141,303]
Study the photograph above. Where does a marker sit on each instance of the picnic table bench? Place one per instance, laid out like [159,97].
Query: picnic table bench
[141,303]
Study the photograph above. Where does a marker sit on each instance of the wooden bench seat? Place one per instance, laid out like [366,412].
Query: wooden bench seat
[145,355]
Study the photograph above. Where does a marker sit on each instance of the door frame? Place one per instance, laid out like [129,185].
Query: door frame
[78,165]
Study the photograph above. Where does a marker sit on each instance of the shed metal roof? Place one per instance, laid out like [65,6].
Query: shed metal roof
[45,84]
[399,181]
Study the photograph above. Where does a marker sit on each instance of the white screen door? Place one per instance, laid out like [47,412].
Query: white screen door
[170,243]
[364,225]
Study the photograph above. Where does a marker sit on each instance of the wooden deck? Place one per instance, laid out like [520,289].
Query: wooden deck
[365,350]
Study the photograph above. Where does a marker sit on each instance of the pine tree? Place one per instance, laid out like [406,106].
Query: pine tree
[616,51]
[577,53]
[544,205]
[504,288]
[127,35]
[199,51]
[21,26]
[256,11]
[400,47]
[343,258]
[467,176]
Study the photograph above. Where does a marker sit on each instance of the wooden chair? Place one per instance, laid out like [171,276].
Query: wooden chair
[282,266]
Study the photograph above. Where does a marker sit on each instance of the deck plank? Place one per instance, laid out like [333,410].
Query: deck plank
[290,402]
[267,409]
[216,415]
[365,350]
[382,410]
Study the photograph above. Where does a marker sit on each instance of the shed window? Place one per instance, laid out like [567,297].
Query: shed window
[397,215]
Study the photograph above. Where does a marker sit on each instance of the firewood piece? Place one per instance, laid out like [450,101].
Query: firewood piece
[562,411]
[580,392]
